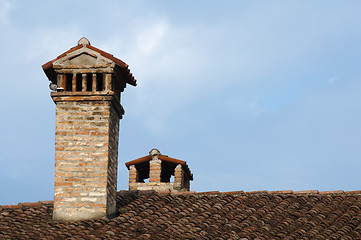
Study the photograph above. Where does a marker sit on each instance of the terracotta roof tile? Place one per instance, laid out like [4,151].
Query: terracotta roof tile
[209,215]
[353,192]
[208,193]
[10,206]
[29,204]
[282,191]
[307,192]
[331,192]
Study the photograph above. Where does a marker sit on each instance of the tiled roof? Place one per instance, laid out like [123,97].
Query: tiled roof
[209,215]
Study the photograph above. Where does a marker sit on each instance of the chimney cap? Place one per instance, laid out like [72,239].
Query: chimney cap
[63,60]
[155,152]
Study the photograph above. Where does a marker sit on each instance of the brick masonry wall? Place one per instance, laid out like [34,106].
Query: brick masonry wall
[86,152]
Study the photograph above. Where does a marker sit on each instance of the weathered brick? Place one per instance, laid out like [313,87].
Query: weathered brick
[98,145]
[64,163]
[154,179]
[82,132]
[99,154]
[73,179]
[63,194]
[99,133]
[60,123]
[97,174]
[63,133]
[105,163]
[73,158]
[85,143]
[71,169]
[81,114]
[63,184]
[63,174]
[83,153]
[72,148]
[90,149]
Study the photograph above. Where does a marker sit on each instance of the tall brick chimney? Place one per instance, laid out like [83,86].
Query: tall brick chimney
[86,84]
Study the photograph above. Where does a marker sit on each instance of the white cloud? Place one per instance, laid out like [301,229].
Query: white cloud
[5,9]
[332,79]
[167,61]
[246,105]
[151,38]
[49,43]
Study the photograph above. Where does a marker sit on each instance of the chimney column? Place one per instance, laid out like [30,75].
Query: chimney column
[155,166]
[178,176]
[133,174]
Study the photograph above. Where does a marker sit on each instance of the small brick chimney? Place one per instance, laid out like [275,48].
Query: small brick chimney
[159,169]
[86,84]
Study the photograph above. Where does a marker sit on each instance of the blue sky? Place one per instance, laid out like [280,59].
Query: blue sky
[254,95]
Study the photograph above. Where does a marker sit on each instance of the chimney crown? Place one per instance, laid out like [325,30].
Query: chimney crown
[84,61]
[159,169]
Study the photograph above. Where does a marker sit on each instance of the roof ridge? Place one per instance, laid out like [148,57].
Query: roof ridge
[25,205]
[215,193]
[306,192]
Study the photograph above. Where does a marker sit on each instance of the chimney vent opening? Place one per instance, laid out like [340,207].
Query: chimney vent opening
[89,82]
[68,82]
[78,82]
[99,82]
[167,171]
